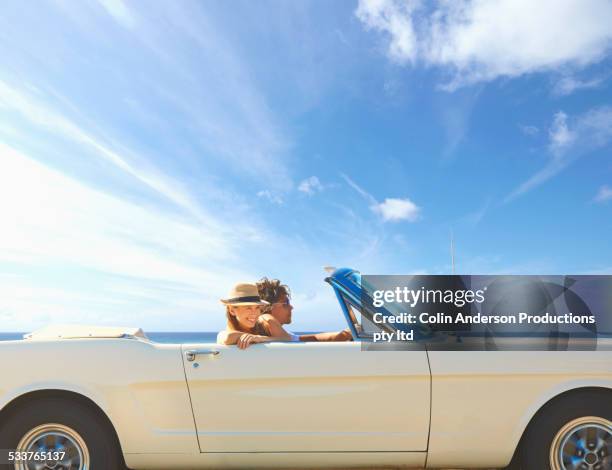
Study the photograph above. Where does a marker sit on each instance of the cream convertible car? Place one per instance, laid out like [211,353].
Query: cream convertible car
[104,398]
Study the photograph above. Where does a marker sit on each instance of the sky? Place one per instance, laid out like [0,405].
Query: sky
[153,154]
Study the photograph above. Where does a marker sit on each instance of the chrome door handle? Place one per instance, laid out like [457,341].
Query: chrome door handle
[192,353]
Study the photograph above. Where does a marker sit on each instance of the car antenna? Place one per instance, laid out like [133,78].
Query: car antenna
[452,250]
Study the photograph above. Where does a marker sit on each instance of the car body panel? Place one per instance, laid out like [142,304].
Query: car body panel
[482,401]
[309,397]
[268,460]
[138,384]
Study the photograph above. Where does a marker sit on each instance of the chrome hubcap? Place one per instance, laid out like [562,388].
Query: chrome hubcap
[583,444]
[65,447]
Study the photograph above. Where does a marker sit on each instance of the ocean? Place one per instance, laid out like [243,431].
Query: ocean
[157,336]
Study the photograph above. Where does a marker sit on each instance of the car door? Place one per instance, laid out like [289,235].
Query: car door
[315,397]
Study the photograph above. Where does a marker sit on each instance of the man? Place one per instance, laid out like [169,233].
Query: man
[279,314]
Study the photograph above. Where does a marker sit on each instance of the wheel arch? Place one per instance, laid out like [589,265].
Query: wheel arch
[552,402]
[24,399]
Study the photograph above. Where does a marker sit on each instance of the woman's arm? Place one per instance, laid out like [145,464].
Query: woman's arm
[229,337]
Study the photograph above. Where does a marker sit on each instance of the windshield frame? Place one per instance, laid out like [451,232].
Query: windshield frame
[349,293]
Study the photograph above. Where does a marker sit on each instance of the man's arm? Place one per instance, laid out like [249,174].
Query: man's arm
[344,335]
[274,328]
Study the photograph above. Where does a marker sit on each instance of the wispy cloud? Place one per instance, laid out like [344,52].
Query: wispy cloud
[224,105]
[475,217]
[41,115]
[391,209]
[310,185]
[568,85]
[119,10]
[528,130]
[395,210]
[455,117]
[270,196]
[194,85]
[570,139]
[52,223]
[480,41]
[560,137]
[367,196]
[395,19]
[604,194]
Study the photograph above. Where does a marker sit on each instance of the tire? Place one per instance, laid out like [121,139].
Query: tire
[576,426]
[86,436]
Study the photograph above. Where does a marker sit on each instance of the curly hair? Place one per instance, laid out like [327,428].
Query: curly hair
[271,290]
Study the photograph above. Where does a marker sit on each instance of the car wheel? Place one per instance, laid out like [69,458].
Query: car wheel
[575,433]
[80,435]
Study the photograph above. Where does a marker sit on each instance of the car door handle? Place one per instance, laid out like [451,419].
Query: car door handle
[192,353]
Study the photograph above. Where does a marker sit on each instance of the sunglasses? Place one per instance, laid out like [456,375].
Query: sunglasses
[286,303]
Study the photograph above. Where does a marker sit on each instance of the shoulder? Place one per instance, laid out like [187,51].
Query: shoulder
[263,324]
[222,337]
[267,321]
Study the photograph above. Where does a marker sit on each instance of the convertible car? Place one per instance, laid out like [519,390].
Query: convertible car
[106,398]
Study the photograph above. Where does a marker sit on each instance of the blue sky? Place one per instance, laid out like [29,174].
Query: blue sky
[154,153]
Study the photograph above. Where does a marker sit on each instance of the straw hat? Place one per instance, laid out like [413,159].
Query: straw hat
[244,293]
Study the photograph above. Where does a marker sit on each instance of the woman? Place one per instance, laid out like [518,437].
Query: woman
[242,309]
